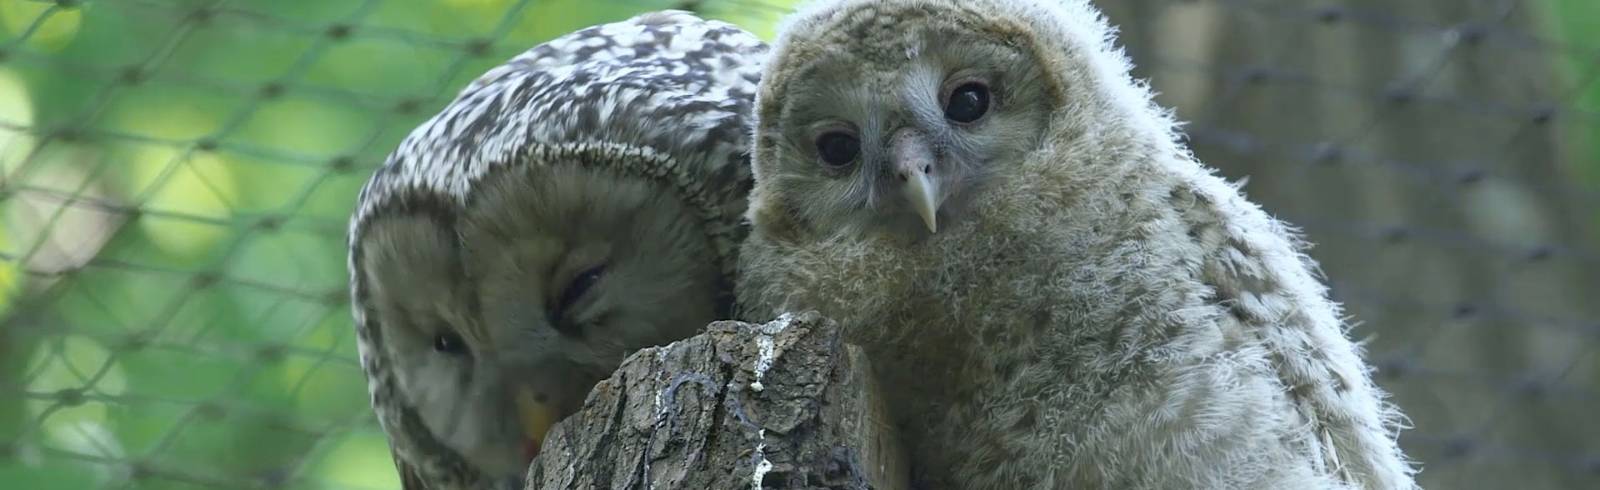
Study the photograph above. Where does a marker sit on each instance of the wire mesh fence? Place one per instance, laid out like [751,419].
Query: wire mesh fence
[176,175]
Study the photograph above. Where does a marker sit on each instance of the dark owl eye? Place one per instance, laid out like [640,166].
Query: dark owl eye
[580,285]
[967,103]
[838,148]
[449,343]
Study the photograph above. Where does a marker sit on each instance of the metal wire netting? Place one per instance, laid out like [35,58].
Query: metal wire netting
[177,176]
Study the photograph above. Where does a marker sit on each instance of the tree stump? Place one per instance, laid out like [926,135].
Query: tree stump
[783,405]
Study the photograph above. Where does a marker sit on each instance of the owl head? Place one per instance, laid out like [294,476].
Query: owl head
[889,117]
[577,203]
[485,320]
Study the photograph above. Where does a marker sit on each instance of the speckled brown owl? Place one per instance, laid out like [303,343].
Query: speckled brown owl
[573,205]
[1057,294]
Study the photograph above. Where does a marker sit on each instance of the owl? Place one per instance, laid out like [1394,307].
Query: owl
[1055,293]
[577,203]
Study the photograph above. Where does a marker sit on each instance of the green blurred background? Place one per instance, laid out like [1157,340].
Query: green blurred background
[177,176]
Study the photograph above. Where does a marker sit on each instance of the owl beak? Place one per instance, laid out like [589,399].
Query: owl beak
[923,192]
[536,418]
[913,163]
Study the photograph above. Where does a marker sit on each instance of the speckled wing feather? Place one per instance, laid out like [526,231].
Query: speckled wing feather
[664,94]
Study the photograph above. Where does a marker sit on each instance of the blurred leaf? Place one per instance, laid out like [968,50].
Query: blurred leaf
[46,24]
[359,459]
[317,127]
[1577,24]
[380,68]
[74,374]
[16,118]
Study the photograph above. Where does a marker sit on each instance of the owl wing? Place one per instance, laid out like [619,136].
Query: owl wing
[1270,290]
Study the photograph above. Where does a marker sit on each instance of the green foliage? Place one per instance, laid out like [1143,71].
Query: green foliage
[1576,26]
[177,178]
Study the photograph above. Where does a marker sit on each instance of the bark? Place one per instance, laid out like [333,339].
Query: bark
[1424,148]
[781,405]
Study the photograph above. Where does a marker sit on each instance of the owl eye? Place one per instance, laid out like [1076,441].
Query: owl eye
[580,285]
[838,148]
[967,103]
[449,343]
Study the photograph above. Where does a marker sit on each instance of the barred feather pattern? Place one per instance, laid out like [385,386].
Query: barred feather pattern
[664,95]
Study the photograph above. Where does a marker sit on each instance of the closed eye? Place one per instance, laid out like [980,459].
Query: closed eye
[575,291]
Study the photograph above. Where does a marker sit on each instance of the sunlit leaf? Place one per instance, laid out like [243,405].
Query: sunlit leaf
[16,123]
[196,184]
[360,459]
[77,371]
[52,26]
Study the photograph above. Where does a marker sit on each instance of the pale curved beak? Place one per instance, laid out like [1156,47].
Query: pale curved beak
[535,417]
[913,164]
[923,191]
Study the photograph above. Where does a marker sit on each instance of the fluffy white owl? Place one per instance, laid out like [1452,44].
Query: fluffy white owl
[1055,292]
[569,207]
